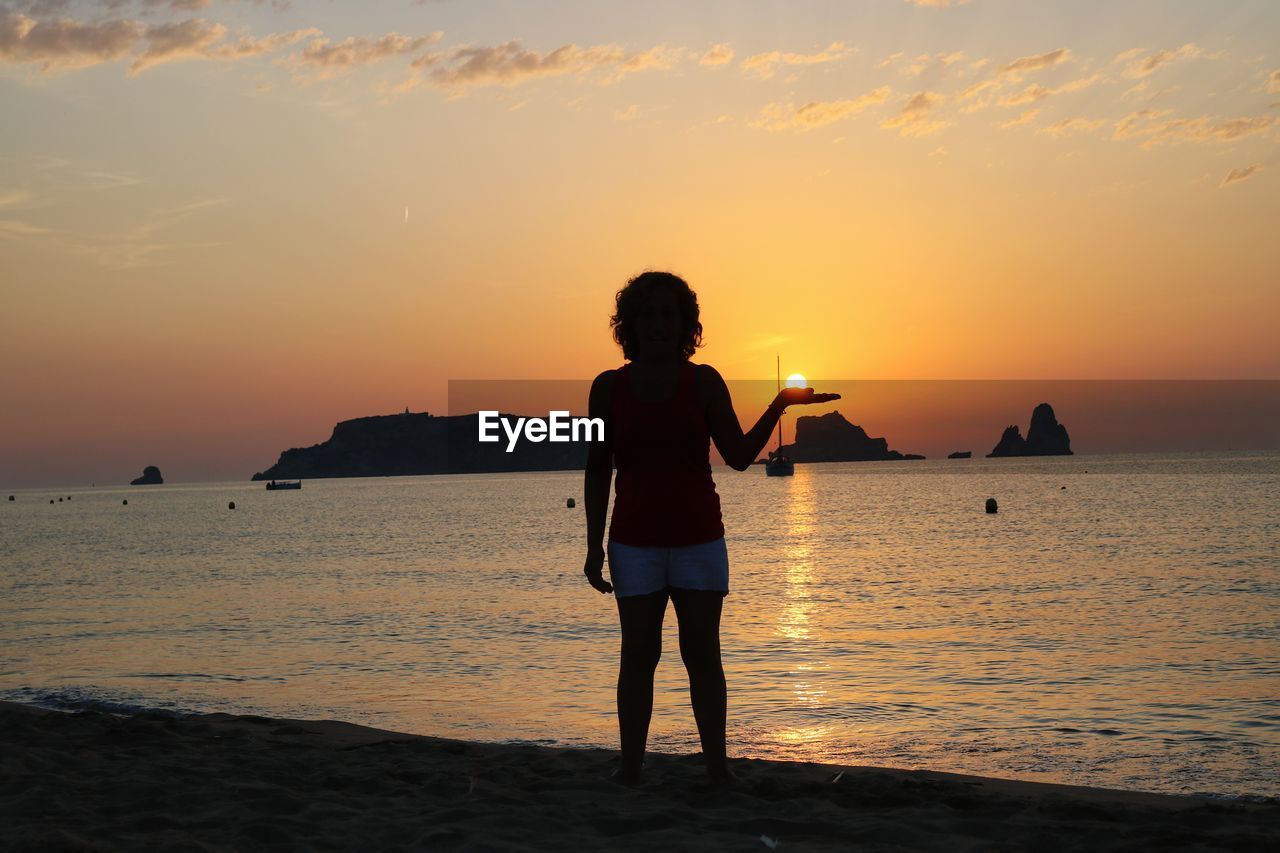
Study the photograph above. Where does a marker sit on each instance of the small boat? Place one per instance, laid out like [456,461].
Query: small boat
[778,465]
[276,485]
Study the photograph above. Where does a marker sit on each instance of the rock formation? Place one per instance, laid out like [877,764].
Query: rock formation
[418,443]
[960,454]
[1045,437]
[150,477]
[831,438]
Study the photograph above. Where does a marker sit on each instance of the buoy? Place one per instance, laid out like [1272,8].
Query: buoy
[125,503]
[59,500]
[50,500]
[570,504]
[10,497]
[68,497]
[231,505]
[991,505]
[1064,487]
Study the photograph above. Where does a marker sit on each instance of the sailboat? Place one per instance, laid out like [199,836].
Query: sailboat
[778,465]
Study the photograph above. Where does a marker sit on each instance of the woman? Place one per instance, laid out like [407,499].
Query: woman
[666,538]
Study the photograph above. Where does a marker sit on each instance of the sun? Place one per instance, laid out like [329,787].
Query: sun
[796,380]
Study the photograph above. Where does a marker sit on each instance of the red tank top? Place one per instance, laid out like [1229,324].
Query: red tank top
[665,496]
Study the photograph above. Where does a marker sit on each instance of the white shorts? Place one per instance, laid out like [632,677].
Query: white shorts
[640,571]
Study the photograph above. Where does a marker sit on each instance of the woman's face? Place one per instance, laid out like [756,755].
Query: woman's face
[658,325]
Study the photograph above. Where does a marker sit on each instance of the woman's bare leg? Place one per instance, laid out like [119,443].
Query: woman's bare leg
[641,618]
[698,612]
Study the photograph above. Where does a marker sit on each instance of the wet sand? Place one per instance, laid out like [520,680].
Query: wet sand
[98,781]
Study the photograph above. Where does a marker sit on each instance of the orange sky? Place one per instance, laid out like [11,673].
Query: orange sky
[223,230]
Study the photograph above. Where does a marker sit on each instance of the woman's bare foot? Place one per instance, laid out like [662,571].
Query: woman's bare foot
[723,777]
[628,776]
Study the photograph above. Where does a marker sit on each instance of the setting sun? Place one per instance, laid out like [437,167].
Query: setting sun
[796,380]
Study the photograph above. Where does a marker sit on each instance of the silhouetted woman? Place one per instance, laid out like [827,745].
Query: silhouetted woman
[666,538]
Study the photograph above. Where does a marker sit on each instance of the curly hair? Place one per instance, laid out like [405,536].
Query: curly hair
[631,298]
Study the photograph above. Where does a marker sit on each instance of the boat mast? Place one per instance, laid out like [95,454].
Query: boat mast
[779,366]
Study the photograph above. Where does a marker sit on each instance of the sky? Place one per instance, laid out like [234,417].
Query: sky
[226,225]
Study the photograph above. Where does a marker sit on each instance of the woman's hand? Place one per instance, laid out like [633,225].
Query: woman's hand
[594,569]
[801,397]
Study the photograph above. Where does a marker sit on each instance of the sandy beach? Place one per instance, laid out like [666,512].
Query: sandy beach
[99,781]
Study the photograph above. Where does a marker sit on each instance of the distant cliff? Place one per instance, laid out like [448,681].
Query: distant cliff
[831,438]
[419,443]
[1045,437]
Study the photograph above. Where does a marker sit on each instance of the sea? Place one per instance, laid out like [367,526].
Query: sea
[1114,624]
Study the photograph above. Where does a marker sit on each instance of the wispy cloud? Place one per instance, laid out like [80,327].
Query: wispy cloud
[1138,65]
[1075,124]
[914,117]
[924,62]
[510,64]
[331,58]
[1035,62]
[1034,92]
[719,54]
[1235,176]
[816,114]
[1025,118]
[1273,82]
[67,44]
[763,65]
[889,60]
[1152,128]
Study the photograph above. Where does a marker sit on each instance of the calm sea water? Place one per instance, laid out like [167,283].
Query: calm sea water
[1115,624]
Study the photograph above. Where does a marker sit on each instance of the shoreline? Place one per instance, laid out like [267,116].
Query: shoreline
[94,780]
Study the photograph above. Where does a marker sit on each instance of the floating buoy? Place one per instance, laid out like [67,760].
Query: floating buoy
[991,505]
[125,502]
[59,500]
[570,504]
[68,497]
[10,497]
[1064,487]
[50,500]
[231,505]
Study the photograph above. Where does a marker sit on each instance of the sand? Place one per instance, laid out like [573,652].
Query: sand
[98,781]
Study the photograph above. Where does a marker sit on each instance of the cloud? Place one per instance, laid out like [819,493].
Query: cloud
[719,54]
[1026,64]
[65,43]
[1273,82]
[763,65]
[1034,92]
[816,114]
[913,118]
[1138,65]
[1025,118]
[889,60]
[334,58]
[1145,125]
[1075,124]
[1237,175]
[924,62]
[510,64]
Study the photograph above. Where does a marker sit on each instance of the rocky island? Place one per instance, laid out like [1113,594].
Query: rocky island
[150,477]
[1045,437]
[831,438]
[418,443]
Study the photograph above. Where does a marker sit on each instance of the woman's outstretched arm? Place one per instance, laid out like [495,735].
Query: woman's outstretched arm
[596,481]
[738,449]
